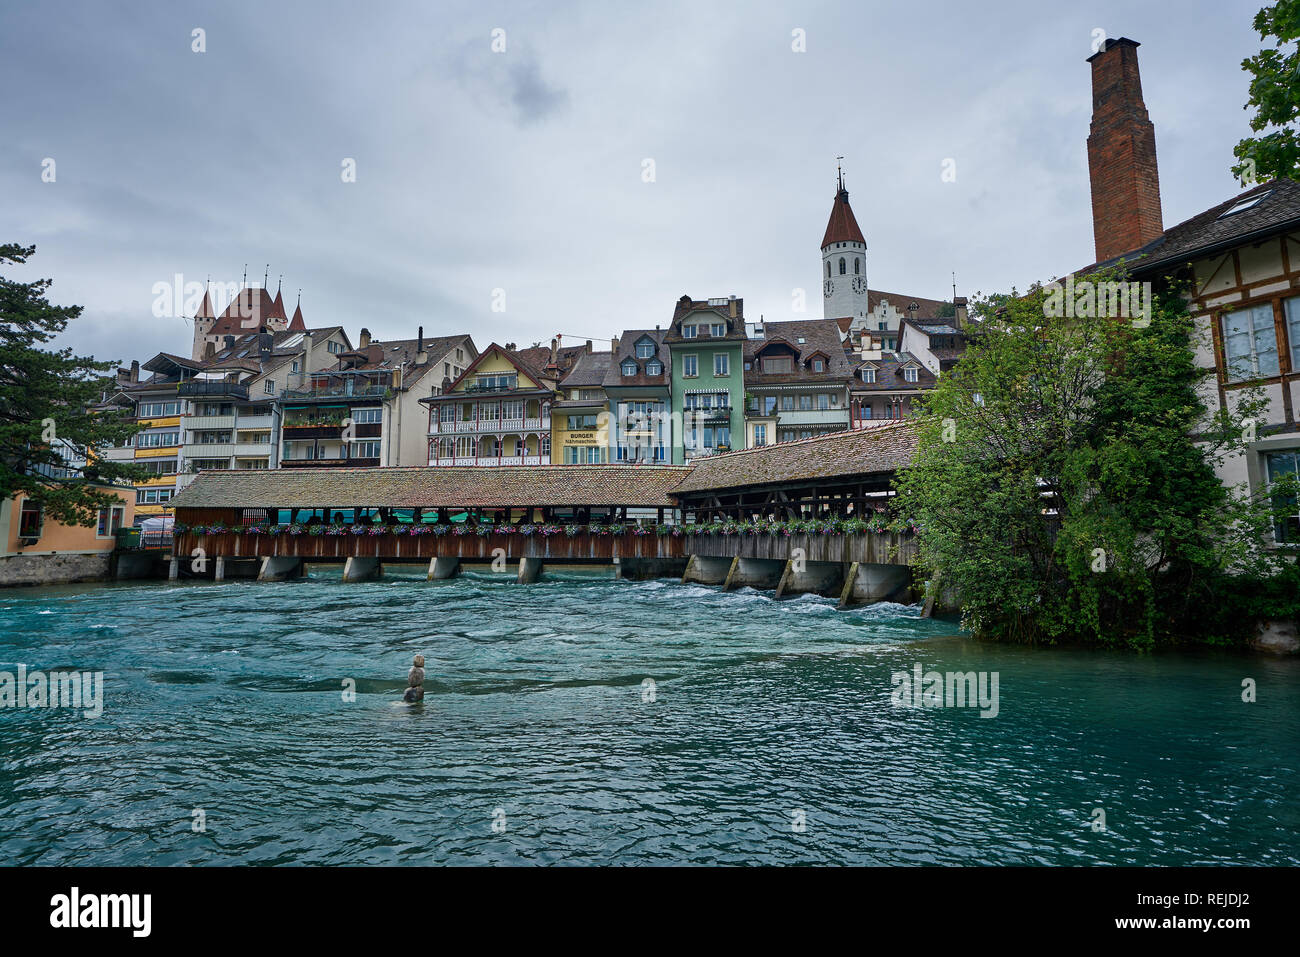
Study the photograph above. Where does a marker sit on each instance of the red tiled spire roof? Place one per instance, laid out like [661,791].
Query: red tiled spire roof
[842,227]
[205,308]
[296,324]
[277,308]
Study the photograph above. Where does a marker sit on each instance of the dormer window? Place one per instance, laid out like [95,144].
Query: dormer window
[718,329]
[654,367]
[629,367]
[645,349]
[819,365]
[688,332]
[868,375]
[910,374]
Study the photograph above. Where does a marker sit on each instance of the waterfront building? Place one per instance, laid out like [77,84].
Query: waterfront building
[1241,257]
[885,387]
[796,381]
[580,416]
[706,343]
[365,408]
[638,384]
[498,411]
[37,550]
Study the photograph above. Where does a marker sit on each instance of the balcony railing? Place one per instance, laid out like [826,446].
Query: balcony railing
[490,460]
[485,425]
[338,391]
[204,387]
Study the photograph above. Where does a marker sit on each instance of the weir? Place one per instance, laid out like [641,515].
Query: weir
[800,517]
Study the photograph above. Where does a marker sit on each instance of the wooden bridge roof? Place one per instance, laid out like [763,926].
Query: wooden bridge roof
[838,455]
[501,486]
[875,451]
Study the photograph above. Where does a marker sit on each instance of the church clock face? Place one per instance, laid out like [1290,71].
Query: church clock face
[859,285]
[828,287]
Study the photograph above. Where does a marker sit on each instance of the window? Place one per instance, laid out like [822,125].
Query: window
[1278,464]
[823,401]
[760,435]
[1246,204]
[1250,343]
[828,269]
[365,450]
[688,332]
[1292,308]
[721,364]
[868,375]
[645,349]
[690,366]
[513,409]
[583,455]
[805,403]
[578,423]
[30,520]
[857,265]
[367,416]
[446,370]
[718,329]
[654,367]
[769,404]
[446,412]
[545,446]
[460,355]
[110,520]
[334,347]
[156,440]
[293,367]
[629,367]
[864,412]
[787,403]
[819,365]
[505,380]
[269,387]
[776,364]
[147,410]
[910,374]
[843,268]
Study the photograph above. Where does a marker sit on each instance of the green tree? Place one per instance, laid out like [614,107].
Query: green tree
[47,425]
[1275,95]
[1065,482]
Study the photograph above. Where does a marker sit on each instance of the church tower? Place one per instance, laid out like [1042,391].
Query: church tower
[844,263]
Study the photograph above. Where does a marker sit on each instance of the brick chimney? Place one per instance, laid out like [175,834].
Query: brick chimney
[1121,154]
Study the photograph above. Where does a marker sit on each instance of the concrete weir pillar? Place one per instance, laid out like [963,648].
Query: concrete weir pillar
[443,567]
[219,569]
[866,583]
[529,570]
[820,578]
[755,572]
[707,571]
[279,567]
[174,569]
[361,569]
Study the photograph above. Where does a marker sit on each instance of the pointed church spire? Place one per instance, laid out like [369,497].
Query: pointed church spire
[297,325]
[205,307]
[842,226]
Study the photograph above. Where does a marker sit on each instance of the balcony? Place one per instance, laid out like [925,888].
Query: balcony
[335,392]
[836,417]
[487,425]
[262,423]
[196,387]
[293,433]
[222,450]
[482,460]
[204,422]
[354,463]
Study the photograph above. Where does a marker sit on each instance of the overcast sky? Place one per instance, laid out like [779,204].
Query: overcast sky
[524,170]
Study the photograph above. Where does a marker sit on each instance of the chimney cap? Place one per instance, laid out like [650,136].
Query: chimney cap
[1111,43]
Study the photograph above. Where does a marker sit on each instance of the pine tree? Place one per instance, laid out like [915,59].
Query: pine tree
[50,438]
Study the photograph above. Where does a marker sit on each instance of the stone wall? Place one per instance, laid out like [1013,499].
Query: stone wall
[53,569]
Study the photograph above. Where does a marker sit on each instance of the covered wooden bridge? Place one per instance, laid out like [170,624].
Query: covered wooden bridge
[802,516]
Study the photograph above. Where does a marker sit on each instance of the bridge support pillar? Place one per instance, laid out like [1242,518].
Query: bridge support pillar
[358,569]
[868,582]
[443,567]
[174,569]
[821,578]
[707,571]
[279,567]
[755,572]
[219,569]
[529,570]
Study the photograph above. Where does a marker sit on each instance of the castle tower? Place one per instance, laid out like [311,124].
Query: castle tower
[844,262]
[204,320]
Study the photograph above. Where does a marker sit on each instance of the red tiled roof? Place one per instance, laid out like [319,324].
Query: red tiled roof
[843,226]
[296,324]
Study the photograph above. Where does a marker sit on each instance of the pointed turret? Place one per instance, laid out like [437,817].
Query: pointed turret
[296,324]
[842,227]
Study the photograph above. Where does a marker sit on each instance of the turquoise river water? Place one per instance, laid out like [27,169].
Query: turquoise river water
[770,734]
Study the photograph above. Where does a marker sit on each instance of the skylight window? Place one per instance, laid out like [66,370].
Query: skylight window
[1249,202]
